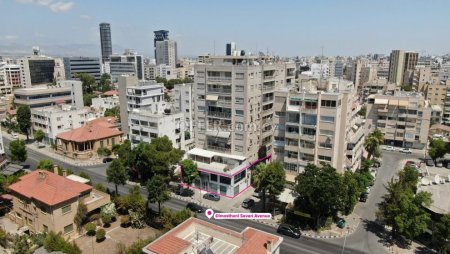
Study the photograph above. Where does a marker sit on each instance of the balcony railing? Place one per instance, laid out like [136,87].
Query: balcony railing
[219,114]
[215,90]
[219,148]
[220,79]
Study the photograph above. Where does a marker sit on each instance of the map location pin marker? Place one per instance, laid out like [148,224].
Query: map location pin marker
[209,213]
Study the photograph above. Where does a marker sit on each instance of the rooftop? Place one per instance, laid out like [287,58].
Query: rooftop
[89,132]
[48,188]
[195,235]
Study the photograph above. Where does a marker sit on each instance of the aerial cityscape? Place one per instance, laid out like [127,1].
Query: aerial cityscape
[201,127]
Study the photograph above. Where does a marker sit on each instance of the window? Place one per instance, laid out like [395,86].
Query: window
[310,104]
[239,75]
[68,228]
[239,112]
[309,119]
[45,227]
[225,180]
[328,119]
[324,158]
[101,143]
[239,88]
[240,176]
[295,102]
[280,113]
[238,148]
[213,177]
[309,131]
[328,104]
[66,209]
[239,100]
[290,167]
[327,132]
[201,108]
[239,136]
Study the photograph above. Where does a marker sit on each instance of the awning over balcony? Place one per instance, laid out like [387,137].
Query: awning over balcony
[381,101]
[393,102]
[403,103]
[210,97]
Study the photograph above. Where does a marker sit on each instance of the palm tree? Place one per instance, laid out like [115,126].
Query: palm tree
[371,145]
[269,178]
[378,135]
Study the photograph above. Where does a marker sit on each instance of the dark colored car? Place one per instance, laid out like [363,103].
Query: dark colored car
[106,160]
[430,163]
[194,207]
[376,164]
[184,192]
[289,230]
[211,196]
[248,203]
[363,197]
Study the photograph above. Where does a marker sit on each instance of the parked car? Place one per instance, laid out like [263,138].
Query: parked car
[448,166]
[439,164]
[184,192]
[194,207]
[257,193]
[430,163]
[376,164]
[248,203]
[405,150]
[15,135]
[363,197]
[389,148]
[288,230]
[412,164]
[211,196]
[106,160]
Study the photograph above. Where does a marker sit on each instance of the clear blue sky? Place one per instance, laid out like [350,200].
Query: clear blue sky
[287,28]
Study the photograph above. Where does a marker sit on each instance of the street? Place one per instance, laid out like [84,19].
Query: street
[363,240]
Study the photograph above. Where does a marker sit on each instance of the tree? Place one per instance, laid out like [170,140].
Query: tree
[80,216]
[87,99]
[373,142]
[105,82]
[158,192]
[114,111]
[441,233]
[189,171]
[21,245]
[437,149]
[55,242]
[24,119]
[319,190]
[351,190]
[116,173]
[102,151]
[17,151]
[363,111]
[45,164]
[88,82]
[403,210]
[38,135]
[269,178]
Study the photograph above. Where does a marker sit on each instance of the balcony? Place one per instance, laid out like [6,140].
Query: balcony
[294,135]
[224,103]
[219,114]
[96,199]
[219,79]
[219,148]
[219,90]
[268,77]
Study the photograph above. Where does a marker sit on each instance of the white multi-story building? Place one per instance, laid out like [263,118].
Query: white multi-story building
[233,116]
[165,71]
[320,70]
[37,70]
[135,94]
[67,91]
[101,104]
[318,123]
[149,71]
[130,63]
[54,120]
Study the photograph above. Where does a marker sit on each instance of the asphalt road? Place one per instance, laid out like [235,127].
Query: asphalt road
[367,237]
[364,240]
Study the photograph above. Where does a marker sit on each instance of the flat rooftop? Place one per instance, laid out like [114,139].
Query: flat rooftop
[198,236]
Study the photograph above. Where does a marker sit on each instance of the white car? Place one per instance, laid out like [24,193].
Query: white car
[15,136]
[405,150]
[389,148]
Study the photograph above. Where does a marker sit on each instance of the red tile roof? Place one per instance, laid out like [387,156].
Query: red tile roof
[111,93]
[255,240]
[107,121]
[89,132]
[48,187]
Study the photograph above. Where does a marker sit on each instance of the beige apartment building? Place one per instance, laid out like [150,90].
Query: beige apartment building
[400,62]
[318,124]
[45,201]
[403,117]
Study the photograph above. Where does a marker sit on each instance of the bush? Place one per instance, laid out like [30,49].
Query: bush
[100,187]
[55,242]
[106,219]
[94,217]
[125,221]
[100,235]
[90,229]
[103,151]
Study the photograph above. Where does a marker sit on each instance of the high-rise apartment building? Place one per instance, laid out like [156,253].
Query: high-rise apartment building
[105,41]
[89,65]
[36,70]
[230,48]
[166,53]
[401,61]
[318,123]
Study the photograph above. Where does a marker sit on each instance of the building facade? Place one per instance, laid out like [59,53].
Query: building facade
[105,41]
[404,118]
[45,201]
[76,65]
[401,61]
[68,91]
[130,63]
[36,70]
[166,53]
